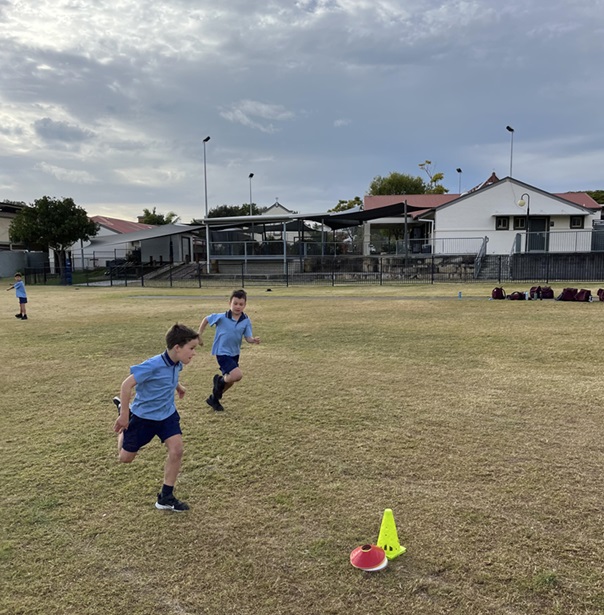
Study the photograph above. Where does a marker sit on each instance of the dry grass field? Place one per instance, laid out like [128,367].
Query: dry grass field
[479,423]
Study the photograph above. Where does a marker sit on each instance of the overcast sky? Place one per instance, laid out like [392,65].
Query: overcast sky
[108,101]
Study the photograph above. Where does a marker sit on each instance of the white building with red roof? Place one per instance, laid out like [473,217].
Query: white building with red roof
[510,214]
[84,255]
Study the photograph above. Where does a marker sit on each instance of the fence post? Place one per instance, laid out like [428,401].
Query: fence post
[170,273]
[432,268]
[243,275]
[199,273]
[381,271]
[286,274]
[142,275]
[499,269]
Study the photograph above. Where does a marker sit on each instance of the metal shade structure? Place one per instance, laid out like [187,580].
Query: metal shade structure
[334,220]
[163,230]
[356,216]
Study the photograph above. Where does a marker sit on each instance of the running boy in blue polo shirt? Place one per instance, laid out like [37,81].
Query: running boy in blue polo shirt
[153,411]
[232,327]
[19,287]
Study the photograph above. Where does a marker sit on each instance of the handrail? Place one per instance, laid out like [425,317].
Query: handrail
[480,256]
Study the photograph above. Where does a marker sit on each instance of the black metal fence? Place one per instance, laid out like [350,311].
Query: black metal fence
[341,270]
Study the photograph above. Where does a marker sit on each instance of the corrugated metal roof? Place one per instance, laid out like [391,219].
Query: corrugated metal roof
[580,198]
[418,201]
[120,226]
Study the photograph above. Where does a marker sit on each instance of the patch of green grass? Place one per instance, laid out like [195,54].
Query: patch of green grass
[544,581]
[477,422]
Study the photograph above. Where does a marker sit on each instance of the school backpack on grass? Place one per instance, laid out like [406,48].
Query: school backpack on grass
[535,292]
[583,295]
[517,296]
[601,294]
[568,294]
[499,293]
[547,292]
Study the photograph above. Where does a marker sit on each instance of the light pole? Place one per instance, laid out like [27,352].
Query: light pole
[511,131]
[460,172]
[250,177]
[521,203]
[205,184]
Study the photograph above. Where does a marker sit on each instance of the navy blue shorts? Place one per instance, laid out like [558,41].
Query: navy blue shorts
[227,363]
[22,299]
[142,431]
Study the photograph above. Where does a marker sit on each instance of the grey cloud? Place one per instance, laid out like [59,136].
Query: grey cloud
[316,97]
[249,113]
[67,175]
[51,130]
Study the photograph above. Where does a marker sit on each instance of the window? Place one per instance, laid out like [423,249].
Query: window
[519,223]
[577,221]
[502,223]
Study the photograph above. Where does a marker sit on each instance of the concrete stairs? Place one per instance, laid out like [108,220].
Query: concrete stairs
[494,266]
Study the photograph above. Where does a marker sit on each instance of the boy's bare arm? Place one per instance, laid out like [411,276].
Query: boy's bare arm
[202,328]
[125,396]
[252,340]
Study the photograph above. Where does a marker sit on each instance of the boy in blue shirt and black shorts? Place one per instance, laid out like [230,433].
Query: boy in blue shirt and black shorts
[153,411]
[232,327]
[19,287]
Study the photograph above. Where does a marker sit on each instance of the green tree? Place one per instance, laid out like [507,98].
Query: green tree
[353,233]
[396,183]
[229,211]
[434,186]
[344,205]
[52,223]
[151,217]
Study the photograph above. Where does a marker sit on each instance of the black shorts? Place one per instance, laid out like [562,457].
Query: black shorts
[142,431]
[227,363]
[22,299]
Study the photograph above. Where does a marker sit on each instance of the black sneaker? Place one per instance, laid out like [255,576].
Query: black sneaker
[169,502]
[24,317]
[18,315]
[218,387]
[214,404]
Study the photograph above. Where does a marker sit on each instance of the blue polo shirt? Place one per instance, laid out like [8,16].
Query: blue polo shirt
[20,290]
[229,333]
[156,380]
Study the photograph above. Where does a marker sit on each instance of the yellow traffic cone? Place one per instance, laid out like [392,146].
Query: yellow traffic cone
[388,538]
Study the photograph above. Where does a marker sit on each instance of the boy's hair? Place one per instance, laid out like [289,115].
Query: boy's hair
[238,294]
[179,335]
[18,274]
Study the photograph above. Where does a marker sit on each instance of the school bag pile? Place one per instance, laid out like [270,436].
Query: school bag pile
[536,292]
[575,294]
[546,292]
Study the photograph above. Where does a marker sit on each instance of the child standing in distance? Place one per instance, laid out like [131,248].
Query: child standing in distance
[19,287]
[153,410]
[232,327]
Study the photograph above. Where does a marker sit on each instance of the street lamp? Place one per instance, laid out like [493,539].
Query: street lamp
[460,172]
[205,183]
[511,131]
[250,177]
[521,203]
